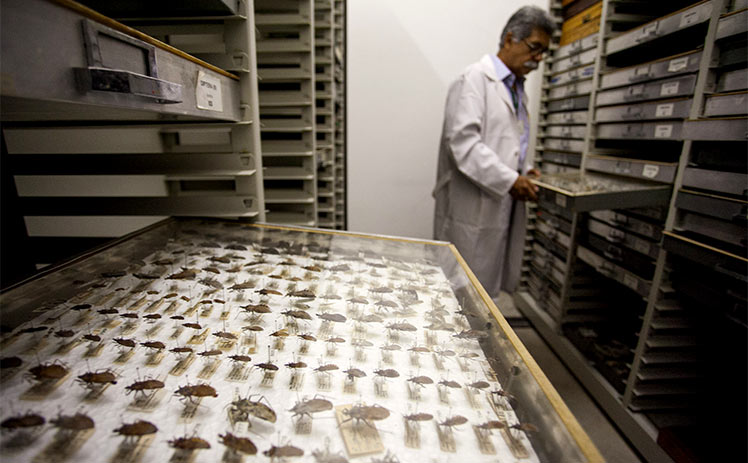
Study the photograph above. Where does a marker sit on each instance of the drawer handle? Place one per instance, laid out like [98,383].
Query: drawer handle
[117,81]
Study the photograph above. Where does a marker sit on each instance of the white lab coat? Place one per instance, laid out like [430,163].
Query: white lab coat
[478,157]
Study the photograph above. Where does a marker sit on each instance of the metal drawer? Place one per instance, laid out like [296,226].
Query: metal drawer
[571,76]
[566,131]
[577,46]
[626,222]
[592,191]
[716,229]
[731,104]
[572,117]
[567,159]
[669,130]
[543,253]
[615,272]
[563,144]
[733,81]
[636,168]
[672,66]
[723,129]
[728,209]
[545,268]
[554,222]
[553,232]
[732,24]
[675,87]
[573,61]
[95,72]
[582,87]
[549,167]
[669,109]
[569,104]
[733,183]
[736,5]
[546,207]
[622,237]
[733,54]
[705,254]
[551,245]
[640,265]
[666,25]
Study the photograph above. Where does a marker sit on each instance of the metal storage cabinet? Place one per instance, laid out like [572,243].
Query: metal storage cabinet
[95,124]
[620,299]
[427,290]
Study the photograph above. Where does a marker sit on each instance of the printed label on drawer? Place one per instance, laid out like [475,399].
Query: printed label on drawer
[670,88]
[664,131]
[630,281]
[689,17]
[560,200]
[648,31]
[208,92]
[664,110]
[677,64]
[642,246]
[650,170]
[642,71]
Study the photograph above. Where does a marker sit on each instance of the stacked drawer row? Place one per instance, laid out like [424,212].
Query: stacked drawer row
[339,46]
[324,24]
[285,59]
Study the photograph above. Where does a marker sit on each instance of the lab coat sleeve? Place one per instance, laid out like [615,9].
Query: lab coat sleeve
[463,121]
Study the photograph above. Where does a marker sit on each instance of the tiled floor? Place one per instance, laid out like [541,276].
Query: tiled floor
[603,433]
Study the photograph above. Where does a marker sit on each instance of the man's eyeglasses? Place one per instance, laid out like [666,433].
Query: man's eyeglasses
[535,49]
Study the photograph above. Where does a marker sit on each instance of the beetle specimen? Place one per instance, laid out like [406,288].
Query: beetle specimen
[92,337]
[402,326]
[386,304]
[238,444]
[296,365]
[48,371]
[313,268]
[158,345]
[266,291]
[417,349]
[77,422]
[307,337]
[10,362]
[240,358]
[194,326]
[358,300]
[146,276]
[526,427]
[300,314]
[108,311]
[304,293]
[177,317]
[189,443]
[211,270]
[267,366]
[241,409]
[479,385]
[29,420]
[94,380]
[421,380]
[185,274]
[225,335]
[453,421]
[326,368]
[210,353]
[245,285]
[136,429]
[129,315]
[189,392]
[256,308]
[64,333]
[471,334]
[491,425]
[283,451]
[181,350]
[143,386]
[340,268]
[80,307]
[152,316]
[381,290]
[307,407]
[390,347]
[366,413]
[451,384]
[354,373]
[415,417]
[332,317]
[388,373]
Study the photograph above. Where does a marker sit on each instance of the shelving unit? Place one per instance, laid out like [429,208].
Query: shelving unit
[339,114]
[286,68]
[611,283]
[110,125]
[324,30]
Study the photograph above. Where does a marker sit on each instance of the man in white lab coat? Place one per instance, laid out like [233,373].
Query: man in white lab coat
[483,175]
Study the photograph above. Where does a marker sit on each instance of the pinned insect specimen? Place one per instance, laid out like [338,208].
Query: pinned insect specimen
[328,457]
[189,443]
[73,423]
[445,432]
[386,305]
[145,387]
[181,350]
[240,358]
[268,291]
[238,444]
[412,428]
[381,290]
[136,430]
[242,408]
[245,285]
[10,362]
[196,391]
[185,274]
[28,420]
[366,414]
[304,293]
[48,372]
[299,314]
[283,452]
[97,381]
[108,311]
[471,334]
[303,411]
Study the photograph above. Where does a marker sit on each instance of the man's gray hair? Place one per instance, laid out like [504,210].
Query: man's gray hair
[527,18]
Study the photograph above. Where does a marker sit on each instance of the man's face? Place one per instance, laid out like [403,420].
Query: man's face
[524,56]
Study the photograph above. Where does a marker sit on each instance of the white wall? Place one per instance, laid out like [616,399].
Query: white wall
[402,56]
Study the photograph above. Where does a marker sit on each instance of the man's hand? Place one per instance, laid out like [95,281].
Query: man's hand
[523,188]
[534,173]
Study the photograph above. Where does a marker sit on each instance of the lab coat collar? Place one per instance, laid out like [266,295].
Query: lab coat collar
[489,70]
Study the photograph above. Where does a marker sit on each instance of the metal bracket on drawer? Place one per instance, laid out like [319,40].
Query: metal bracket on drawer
[111,80]
[120,63]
